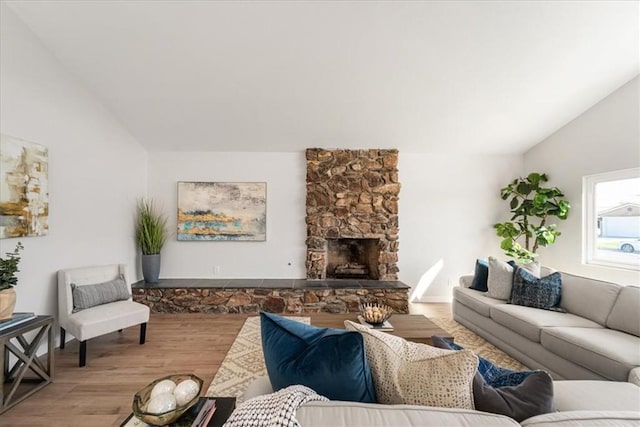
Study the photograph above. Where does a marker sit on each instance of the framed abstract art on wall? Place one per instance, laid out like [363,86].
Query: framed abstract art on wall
[24,192]
[222,211]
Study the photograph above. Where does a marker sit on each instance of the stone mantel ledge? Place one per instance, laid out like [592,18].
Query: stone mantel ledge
[283,296]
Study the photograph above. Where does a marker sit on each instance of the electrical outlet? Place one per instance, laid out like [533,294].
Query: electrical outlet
[216,269]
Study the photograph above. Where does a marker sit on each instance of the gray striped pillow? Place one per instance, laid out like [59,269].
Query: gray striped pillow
[87,296]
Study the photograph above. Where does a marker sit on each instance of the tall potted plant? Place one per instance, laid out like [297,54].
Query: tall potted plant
[533,207]
[8,279]
[150,236]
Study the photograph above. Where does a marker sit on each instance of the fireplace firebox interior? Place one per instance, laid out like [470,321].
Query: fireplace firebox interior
[353,259]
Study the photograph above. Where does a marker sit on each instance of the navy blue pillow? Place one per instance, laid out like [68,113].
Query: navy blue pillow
[495,376]
[332,362]
[530,291]
[481,275]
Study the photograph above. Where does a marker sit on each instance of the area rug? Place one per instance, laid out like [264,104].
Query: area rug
[244,362]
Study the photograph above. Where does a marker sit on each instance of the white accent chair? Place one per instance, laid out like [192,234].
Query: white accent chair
[101,319]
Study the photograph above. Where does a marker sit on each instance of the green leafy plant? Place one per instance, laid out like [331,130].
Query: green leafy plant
[151,231]
[533,207]
[9,268]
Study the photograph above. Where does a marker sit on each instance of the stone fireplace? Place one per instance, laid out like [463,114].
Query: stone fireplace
[352,214]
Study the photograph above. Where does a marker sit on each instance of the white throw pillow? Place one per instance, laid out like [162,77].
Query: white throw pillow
[500,279]
[417,374]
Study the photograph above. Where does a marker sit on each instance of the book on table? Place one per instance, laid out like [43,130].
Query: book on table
[198,415]
[16,319]
[386,326]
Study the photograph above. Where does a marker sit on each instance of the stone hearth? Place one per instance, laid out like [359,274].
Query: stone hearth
[284,296]
[352,194]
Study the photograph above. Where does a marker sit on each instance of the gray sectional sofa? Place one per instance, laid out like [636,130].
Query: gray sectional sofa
[577,404]
[598,338]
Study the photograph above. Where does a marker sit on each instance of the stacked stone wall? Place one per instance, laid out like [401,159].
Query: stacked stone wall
[254,300]
[352,194]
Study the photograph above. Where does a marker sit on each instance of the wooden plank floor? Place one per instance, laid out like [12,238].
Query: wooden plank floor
[100,394]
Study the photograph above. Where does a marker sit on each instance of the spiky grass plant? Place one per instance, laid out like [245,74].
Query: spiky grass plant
[150,228]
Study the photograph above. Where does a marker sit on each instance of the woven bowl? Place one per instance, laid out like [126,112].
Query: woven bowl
[141,399]
[374,313]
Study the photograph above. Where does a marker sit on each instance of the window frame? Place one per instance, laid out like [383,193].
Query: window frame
[589,218]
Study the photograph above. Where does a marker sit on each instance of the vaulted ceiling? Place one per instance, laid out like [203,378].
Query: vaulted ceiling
[495,77]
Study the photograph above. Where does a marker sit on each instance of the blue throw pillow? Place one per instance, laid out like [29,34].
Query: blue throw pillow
[332,362]
[481,275]
[495,376]
[530,291]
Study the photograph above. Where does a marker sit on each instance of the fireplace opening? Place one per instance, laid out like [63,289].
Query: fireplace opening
[353,259]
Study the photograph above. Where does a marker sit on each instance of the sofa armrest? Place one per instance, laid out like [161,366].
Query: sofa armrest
[634,376]
[466,280]
[258,387]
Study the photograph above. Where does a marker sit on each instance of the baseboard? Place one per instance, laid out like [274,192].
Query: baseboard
[434,299]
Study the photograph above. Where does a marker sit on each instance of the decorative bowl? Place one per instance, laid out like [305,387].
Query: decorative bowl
[374,313]
[141,399]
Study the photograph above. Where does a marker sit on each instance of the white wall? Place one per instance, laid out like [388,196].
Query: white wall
[604,138]
[284,174]
[448,204]
[96,169]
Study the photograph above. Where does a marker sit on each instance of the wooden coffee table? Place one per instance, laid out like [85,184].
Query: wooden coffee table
[412,327]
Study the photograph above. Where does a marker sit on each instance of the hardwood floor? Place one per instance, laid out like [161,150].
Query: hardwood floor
[100,394]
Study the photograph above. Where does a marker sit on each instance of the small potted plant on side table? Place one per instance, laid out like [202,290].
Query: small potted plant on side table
[8,279]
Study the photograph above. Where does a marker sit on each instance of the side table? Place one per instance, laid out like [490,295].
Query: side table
[13,341]
[224,408]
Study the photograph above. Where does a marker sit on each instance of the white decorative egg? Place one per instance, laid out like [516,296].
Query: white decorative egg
[164,386]
[161,403]
[185,391]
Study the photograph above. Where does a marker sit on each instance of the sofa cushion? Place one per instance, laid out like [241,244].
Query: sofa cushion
[596,395]
[418,374]
[351,414]
[530,291]
[588,298]
[105,318]
[607,352]
[330,361]
[585,419]
[476,300]
[87,296]
[625,315]
[500,278]
[528,321]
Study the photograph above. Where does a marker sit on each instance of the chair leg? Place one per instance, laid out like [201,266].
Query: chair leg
[62,338]
[83,353]
[143,332]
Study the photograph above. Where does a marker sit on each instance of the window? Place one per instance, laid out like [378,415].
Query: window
[612,219]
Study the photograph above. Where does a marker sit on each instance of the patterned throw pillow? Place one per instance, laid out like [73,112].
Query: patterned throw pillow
[88,296]
[330,361]
[417,374]
[530,291]
[500,278]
